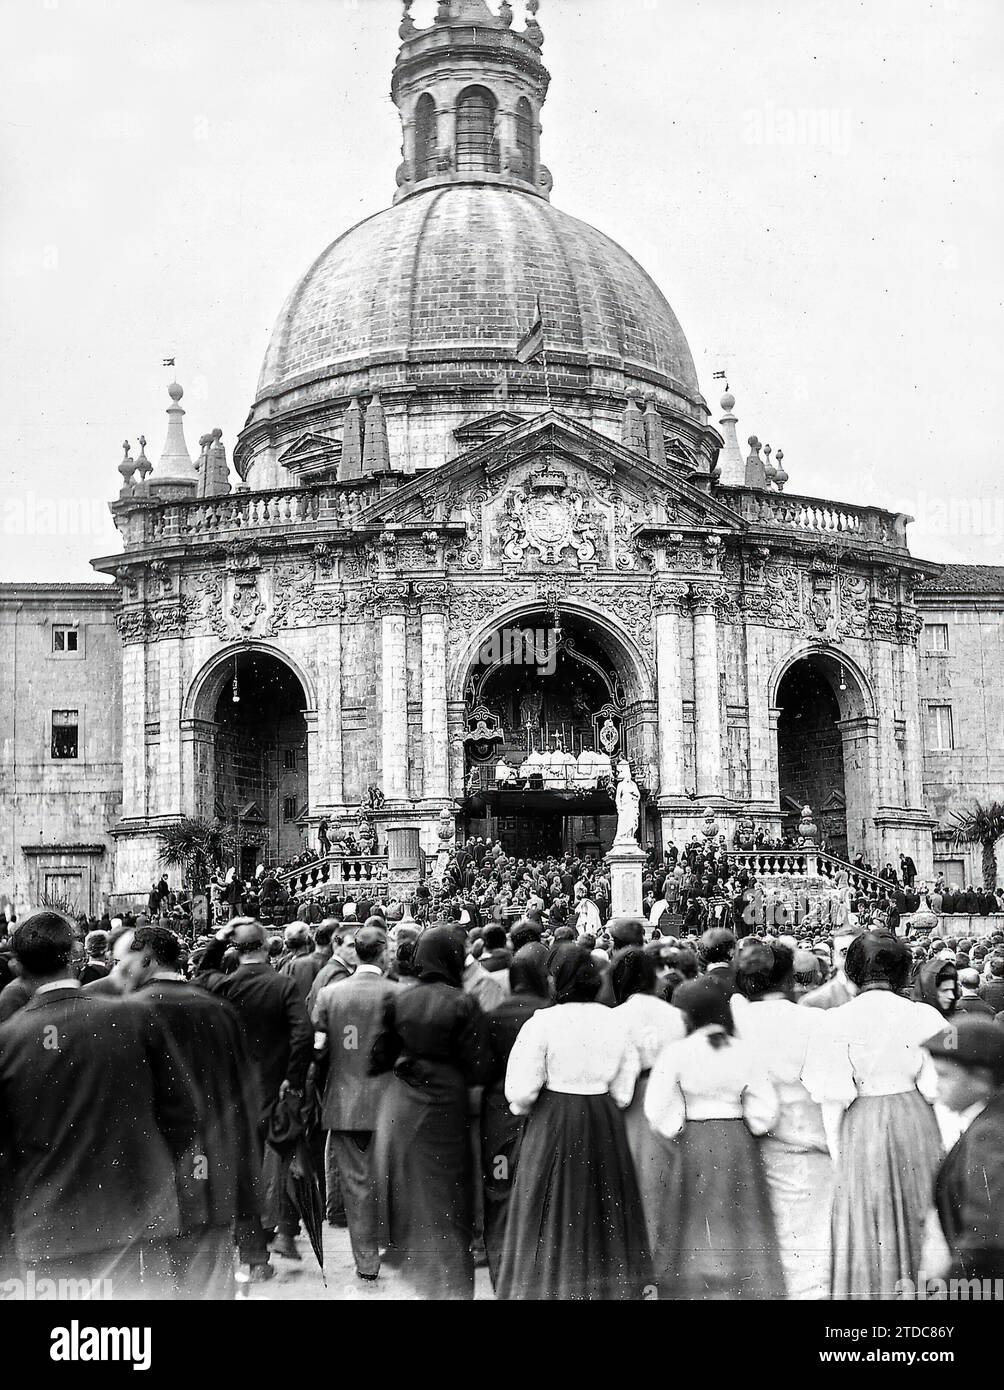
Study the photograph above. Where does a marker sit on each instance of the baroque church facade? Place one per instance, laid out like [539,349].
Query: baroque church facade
[330,632]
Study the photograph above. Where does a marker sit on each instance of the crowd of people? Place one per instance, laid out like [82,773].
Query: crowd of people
[684,1104]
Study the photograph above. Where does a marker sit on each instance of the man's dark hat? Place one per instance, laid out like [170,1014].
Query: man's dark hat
[971,1042]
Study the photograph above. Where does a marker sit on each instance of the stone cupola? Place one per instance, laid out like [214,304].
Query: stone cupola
[469,88]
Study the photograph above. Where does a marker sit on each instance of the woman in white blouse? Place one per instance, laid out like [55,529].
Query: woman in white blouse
[712,1092]
[576,1228]
[651,1024]
[796,1157]
[868,1069]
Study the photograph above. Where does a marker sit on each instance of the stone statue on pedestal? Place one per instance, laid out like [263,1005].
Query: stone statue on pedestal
[628,802]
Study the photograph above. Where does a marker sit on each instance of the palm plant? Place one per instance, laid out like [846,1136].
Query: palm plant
[981,825]
[195,846]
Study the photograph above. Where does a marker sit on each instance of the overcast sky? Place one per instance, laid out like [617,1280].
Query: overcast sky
[816,186]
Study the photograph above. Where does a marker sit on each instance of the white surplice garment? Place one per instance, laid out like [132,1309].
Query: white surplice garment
[574,1049]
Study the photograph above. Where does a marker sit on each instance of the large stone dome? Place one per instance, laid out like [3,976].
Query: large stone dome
[455,270]
[423,304]
[435,292]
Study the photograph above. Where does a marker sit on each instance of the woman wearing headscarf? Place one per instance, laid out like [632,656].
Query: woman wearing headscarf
[432,1040]
[867,1068]
[712,1093]
[795,1154]
[501,1130]
[576,1229]
[651,1025]
[937,984]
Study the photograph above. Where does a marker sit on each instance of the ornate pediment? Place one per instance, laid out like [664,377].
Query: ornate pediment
[491,426]
[312,454]
[603,507]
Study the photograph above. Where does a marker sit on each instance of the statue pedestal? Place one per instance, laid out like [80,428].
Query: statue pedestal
[625,862]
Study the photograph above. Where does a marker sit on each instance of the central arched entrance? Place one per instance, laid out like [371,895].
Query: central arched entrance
[810,755]
[549,710]
[252,770]
[824,714]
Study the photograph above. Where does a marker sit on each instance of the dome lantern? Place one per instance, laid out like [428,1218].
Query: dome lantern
[469,88]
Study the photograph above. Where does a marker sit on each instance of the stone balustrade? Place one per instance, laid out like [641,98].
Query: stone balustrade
[818,517]
[340,875]
[242,512]
[802,863]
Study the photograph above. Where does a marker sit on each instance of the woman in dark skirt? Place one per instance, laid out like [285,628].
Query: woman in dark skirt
[501,1130]
[576,1229]
[432,1039]
[718,1231]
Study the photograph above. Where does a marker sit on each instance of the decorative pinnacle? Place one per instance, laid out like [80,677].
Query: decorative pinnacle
[128,466]
[143,464]
[533,31]
[407,26]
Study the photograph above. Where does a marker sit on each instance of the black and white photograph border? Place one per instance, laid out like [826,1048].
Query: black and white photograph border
[501,794]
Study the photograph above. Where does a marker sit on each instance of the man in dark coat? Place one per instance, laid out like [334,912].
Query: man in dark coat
[969,1188]
[278,1037]
[96,1110]
[348,1017]
[218,1176]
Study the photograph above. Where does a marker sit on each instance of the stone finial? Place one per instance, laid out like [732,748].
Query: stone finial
[533,31]
[376,449]
[128,465]
[655,440]
[505,13]
[633,427]
[143,465]
[217,475]
[731,464]
[202,463]
[350,465]
[769,471]
[407,25]
[444,12]
[755,475]
[780,476]
[175,462]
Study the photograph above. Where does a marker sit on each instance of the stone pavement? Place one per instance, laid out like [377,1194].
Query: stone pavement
[304,1282]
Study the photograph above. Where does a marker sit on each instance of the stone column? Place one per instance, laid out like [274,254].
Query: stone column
[324,768]
[890,769]
[133,730]
[762,719]
[707,700]
[912,717]
[456,712]
[394,702]
[668,599]
[170,798]
[435,724]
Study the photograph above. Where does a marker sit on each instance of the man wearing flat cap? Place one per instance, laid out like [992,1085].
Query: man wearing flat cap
[969,1188]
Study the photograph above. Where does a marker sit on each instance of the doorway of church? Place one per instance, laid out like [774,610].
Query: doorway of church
[260,773]
[811,753]
[540,836]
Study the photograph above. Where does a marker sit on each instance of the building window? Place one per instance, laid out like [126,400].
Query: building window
[477,147]
[935,637]
[289,759]
[65,732]
[289,808]
[426,142]
[526,139]
[65,640]
[940,731]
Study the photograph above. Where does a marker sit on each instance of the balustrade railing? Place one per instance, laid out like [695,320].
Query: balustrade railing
[338,874]
[256,511]
[792,863]
[820,517]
